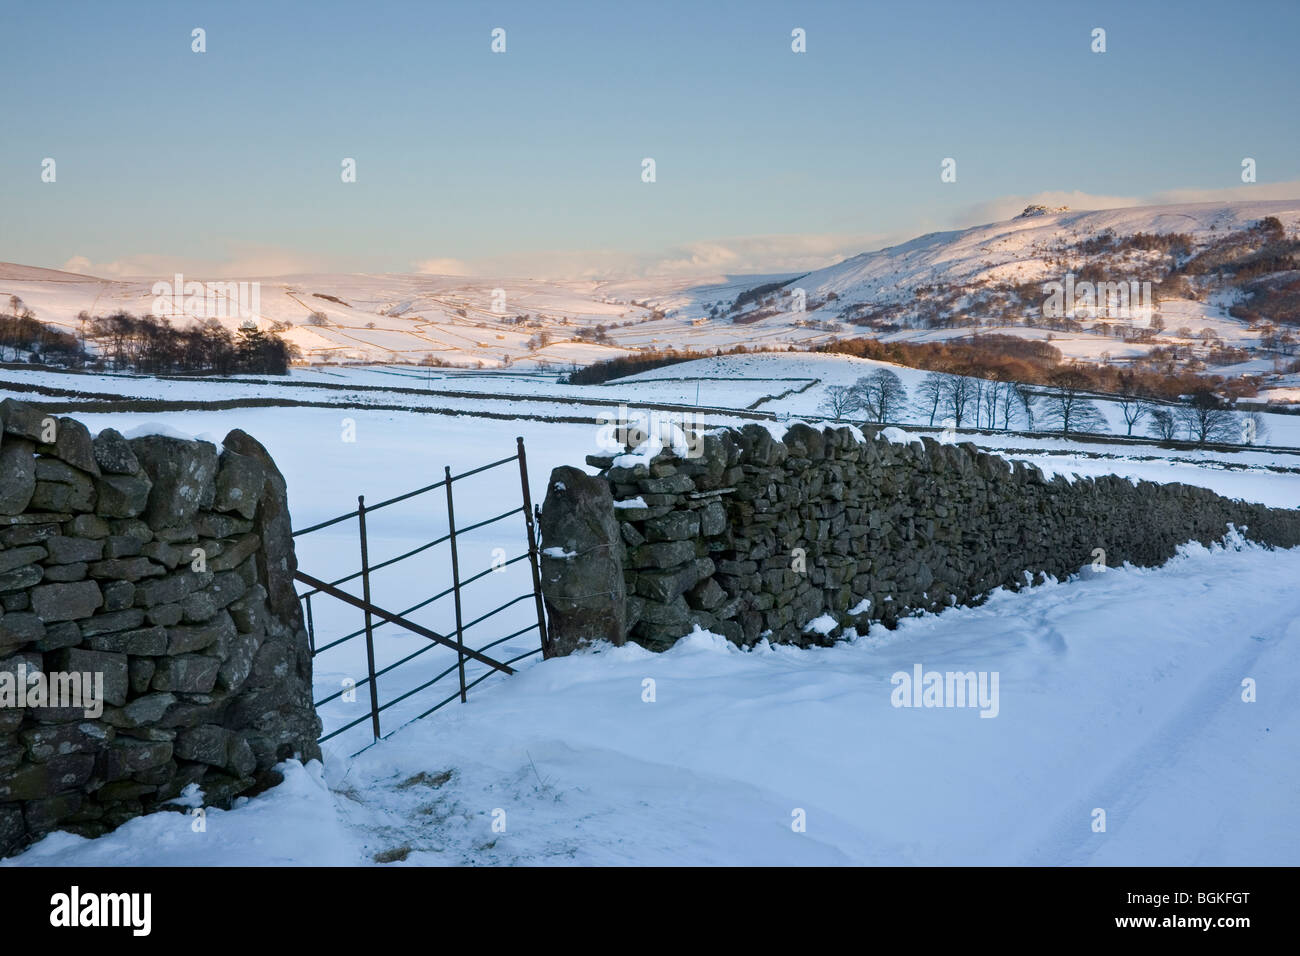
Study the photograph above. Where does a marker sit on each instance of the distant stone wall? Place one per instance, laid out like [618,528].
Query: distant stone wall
[166,567]
[755,538]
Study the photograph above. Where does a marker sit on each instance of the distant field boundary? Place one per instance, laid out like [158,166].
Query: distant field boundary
[108,403]
[786,394]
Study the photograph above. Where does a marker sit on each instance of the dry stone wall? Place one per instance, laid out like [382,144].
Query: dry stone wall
[164,566]
[757,537]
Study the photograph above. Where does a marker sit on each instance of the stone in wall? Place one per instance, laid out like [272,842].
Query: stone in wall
[165,566]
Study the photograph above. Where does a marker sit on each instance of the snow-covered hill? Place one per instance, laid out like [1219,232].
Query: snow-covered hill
[943,285]
[1186,260]
[1025,249]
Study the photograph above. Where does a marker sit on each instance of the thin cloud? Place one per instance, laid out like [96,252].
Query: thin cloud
[1242,193]
[773,253]
[705,257]
[243,260]
[443,267]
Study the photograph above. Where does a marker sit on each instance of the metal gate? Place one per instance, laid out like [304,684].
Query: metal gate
[417,668]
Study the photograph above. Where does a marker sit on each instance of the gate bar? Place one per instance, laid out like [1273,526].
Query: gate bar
[455,582]
[532,548]
[370,633]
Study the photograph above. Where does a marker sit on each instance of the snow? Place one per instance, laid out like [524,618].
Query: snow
[821,625]
[899,437]
[295,823]
[654,445]
[1108,699]
[158,428]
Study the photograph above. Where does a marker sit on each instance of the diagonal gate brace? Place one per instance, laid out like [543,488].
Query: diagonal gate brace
[400,621]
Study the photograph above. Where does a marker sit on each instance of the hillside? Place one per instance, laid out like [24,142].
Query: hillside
[1223,280]
[1223,277]
[1033,247]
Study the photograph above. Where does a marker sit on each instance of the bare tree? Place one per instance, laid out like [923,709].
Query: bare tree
[1067,407]
[1132,404]
[992,392]
[1163,424]
[1009,402]
[841,400]
[958,397]
[1207,418]
[881,394]
[929,394]
[1134,410]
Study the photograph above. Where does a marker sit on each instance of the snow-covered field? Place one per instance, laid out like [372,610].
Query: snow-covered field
[1119,691]
[776,385]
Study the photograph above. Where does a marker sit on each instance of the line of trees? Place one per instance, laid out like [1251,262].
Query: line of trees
[151,345]
[1064,404]
[597,373]
[1203,416]
[956,400]
[21,334]
[146,344]
[953,400]
[1009,358]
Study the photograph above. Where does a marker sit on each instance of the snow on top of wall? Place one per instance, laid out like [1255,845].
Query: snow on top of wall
[160,428]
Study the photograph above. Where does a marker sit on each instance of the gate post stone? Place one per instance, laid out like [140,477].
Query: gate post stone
[581,562]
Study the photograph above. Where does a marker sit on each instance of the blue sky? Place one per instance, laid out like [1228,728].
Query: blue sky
[529,162]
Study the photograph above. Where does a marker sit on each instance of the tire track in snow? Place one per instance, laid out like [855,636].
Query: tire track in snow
[1070,841]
